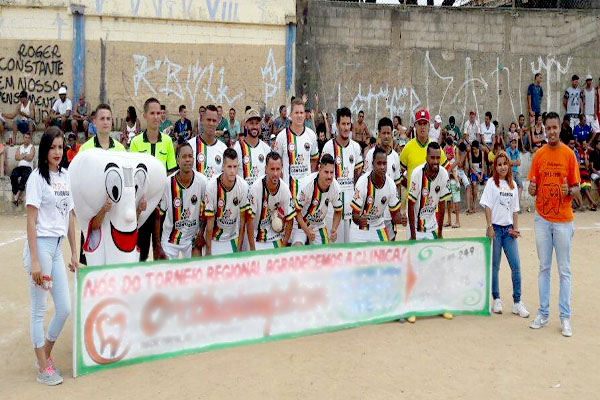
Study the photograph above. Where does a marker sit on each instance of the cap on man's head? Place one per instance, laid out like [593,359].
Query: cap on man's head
[62,90]
[438,119]
[588,77]
[22,94]
[472,112]
[575,77]
[273,136]
[251,113]
[422,115]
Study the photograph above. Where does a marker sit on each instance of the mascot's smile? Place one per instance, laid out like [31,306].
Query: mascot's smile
[125,241]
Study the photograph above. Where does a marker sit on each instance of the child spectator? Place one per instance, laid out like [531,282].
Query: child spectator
[514,156]
[454,202]
[478,172]
[131,127]
[92,127]
[581,154]
[183,126]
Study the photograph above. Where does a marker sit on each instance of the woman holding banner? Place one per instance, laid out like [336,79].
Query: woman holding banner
[500,200]
[50,217]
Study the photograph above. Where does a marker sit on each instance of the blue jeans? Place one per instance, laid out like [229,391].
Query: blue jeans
[511,249]
[52,264]
[557,236]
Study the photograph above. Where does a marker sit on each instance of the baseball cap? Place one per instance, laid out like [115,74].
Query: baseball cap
[422,114]
[62,90]
[438,119]
[273,136]
[588,77]
[251,113]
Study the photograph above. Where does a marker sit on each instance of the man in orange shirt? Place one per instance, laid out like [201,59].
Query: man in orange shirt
[554,179]
[73,147]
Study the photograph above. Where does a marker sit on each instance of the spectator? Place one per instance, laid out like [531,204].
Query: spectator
[582,131]
[435,130]
[81,116]
[92,126]
[478,172]
[513,134]
[321,136]
[60,114]
[499,199]
[581,154]
[462,171]
[554,180]
[309,119]
[594,164]
[132,126]
[538,133]
[18,178]
[281,122]
[222,127]
[360,131]
[23,119]
[233,126]
[399,130]
[183,126]
[166,126]
[273,142]
[198,123]
[453,130]
[590,106]
[534,97]
[372,145]
[454,202]
[472,129]
[572,101]
[72,148]
[524,134]
[566,133]
[488,130]
[515,161]
[265,127]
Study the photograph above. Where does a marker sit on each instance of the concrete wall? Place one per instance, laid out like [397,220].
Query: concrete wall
[190,52]
[391,60]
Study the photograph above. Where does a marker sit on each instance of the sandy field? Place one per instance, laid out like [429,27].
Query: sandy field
[497,357]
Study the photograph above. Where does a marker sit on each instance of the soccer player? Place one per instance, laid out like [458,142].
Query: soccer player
[316,192]
[384,129]
[208,151]
[429,190]
[297,146]
[181,204]
[227,209]
[273,208]
[251,151]
[348,159]
[374,193]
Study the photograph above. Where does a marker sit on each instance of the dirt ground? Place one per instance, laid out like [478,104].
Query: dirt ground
[495,357]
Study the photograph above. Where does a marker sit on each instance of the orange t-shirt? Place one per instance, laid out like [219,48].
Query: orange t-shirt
[71,153]
[549,167]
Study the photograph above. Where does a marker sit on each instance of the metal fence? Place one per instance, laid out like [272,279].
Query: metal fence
[565,4]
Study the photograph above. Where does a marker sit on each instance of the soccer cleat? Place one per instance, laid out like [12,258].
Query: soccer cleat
[447,315]
[565,328]
[539,322]
[520,310]
[411,319]
[497,308]
[49,377]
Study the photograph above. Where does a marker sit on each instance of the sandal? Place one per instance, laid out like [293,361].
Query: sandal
[456,226]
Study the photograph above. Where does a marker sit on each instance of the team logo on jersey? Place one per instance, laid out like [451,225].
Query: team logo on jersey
[194,199]
[383,200]
[326,202]
[437,189]
[261,158]
[369,200]
[236,201]
[177,202]
[425,192]
[221,203]
[394,167]
[338,160]
[218,159]
[200,157]
[246,159]
[307,146]
[351,159]
[413,186]
[291,147]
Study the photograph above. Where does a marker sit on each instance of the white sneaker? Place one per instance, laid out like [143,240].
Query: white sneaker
[49,377]
[50,362]
[539,322]
[497,308]
[520,310]
[565,328]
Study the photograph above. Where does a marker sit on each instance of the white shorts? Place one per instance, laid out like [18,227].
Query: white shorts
[592,121]
[371,235]
[227,247]
[594,177]
[464,179]
[172,251]
[389,226]
[268,245]
[421,235]
[321,236]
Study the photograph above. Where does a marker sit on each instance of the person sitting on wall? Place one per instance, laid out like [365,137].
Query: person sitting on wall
[23,119]
[61,112]
[81,116]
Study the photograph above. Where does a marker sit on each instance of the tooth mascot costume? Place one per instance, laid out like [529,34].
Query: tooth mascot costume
[126,179]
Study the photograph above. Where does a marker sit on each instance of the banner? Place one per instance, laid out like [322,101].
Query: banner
[133,313]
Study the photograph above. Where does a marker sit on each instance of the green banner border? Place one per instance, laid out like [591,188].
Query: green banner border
[80,368]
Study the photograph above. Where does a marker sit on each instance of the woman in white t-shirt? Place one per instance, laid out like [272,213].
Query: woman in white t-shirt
[500,199]
[50,217]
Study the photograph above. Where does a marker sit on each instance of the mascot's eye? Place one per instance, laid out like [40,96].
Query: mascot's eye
[114,185]
[140,182]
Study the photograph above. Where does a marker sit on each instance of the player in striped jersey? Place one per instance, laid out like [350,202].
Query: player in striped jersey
[385,128]
[316,192]
[208,151]
[272,206]
[227,210]
[374,193]
[251,151]
[181,204]
[348,167]
[297,146]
